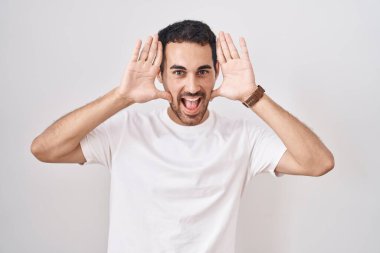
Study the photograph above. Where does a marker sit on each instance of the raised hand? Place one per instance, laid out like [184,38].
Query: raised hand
[137,84]
[238,76]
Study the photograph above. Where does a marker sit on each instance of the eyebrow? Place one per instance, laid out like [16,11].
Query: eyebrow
[183,68]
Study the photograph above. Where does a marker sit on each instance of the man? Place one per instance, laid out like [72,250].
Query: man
[177,174]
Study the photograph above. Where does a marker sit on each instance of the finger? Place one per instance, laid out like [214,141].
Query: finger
[219,52]
[231,46]
[153,49]
[225,49]
[136,51]
[244,49]
[164,95]
[157,61]
[145,51]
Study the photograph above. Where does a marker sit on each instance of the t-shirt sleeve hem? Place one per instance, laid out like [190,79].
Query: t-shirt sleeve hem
[280,153]
[85,150]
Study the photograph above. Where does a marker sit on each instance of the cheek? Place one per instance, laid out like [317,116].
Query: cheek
[173,86]
[208,83]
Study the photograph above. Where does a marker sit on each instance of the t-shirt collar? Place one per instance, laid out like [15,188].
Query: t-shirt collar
[182,128]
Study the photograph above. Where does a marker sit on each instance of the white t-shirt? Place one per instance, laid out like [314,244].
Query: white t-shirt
[177,188]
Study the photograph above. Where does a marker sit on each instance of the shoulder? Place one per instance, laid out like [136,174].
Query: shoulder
[244,125]
[128,116]
[140,118]
[229,124]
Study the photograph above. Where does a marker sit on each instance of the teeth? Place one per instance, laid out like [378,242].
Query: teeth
[191,98]
[191,104]
[194,99]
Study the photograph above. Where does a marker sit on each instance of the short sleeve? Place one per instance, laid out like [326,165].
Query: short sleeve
[266,150]
[100,145]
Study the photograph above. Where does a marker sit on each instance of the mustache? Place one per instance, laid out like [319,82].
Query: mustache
[196,94]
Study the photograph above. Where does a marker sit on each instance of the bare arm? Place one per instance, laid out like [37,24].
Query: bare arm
[60,142]
[64,135]
[305,154]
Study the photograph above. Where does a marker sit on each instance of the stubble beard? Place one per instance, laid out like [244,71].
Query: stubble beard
[190,120]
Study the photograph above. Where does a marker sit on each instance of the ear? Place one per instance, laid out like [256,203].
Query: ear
[217,68]
[159,77]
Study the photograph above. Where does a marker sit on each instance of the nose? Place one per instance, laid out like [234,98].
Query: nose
[192,85]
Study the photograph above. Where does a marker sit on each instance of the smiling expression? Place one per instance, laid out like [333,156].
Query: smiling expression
[189,76]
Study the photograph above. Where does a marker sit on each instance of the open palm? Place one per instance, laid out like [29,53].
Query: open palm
[238,76]
[137,83]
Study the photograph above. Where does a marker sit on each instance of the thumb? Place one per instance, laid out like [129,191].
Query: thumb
[164,95]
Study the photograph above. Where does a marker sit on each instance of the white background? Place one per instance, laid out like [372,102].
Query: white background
[317,59]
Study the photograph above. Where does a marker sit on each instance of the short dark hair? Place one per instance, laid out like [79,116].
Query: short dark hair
[187,31]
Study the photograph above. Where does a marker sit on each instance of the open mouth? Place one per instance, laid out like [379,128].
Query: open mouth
[191,104]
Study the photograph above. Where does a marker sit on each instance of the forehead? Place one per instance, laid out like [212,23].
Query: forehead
[188,54]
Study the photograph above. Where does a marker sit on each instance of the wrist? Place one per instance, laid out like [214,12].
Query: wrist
[247,94]
[121,99]
[254,97]
[259,104]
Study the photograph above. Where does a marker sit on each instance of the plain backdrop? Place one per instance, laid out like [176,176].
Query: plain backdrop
[317,59]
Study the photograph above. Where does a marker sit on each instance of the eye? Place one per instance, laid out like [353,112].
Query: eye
[178,72]
[203,72]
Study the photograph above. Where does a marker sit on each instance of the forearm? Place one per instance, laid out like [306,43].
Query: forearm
[65,134]
[301,142]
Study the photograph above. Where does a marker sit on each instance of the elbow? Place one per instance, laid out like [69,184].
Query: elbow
[324,165]
[38,150]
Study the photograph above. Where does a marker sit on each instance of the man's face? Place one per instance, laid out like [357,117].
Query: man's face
[189,76]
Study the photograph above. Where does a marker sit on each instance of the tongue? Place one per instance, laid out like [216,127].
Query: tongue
[191,104]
